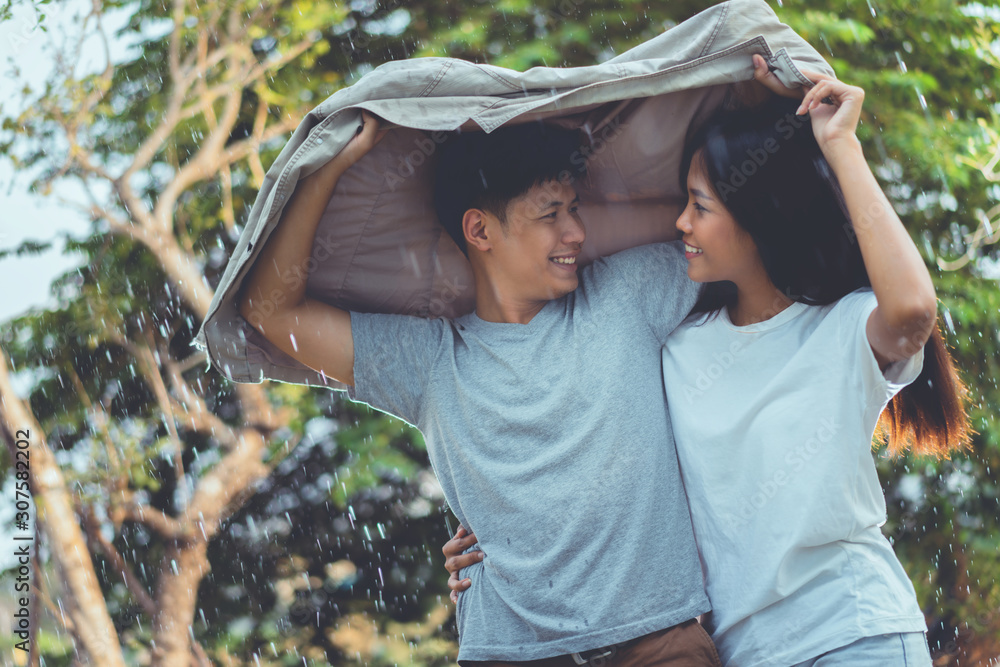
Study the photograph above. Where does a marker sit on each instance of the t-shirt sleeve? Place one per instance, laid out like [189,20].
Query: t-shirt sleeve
[879,386]
[654,278]
[393,357]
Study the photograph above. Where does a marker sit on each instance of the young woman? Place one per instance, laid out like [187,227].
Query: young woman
[818,312]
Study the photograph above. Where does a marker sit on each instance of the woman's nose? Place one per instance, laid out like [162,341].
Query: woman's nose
[682,222]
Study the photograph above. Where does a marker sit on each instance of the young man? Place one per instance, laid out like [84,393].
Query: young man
[544,405]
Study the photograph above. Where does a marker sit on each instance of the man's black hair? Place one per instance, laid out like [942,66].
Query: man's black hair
[487,171]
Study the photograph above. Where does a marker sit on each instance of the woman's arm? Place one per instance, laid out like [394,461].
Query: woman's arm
[907,303]
[455,560]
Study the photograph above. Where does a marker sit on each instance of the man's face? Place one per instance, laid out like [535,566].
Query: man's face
[535,254]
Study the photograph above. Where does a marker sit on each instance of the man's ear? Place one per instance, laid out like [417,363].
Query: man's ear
[474,230]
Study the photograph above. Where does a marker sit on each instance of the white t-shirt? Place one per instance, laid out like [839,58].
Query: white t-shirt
[773,424]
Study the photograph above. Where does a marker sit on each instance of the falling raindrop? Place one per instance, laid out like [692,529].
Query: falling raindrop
[899,61]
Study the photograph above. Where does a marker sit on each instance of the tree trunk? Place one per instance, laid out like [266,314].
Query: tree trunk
[176,599]
[95,634]
[185,563]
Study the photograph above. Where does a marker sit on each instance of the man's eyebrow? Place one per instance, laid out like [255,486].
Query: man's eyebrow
[699,193]
[554,203]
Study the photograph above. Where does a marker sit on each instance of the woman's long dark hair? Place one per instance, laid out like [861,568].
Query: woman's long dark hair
[767,169]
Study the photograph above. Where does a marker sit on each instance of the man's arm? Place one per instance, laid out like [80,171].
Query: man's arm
[273,298]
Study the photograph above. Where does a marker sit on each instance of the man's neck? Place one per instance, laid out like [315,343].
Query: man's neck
[494,308]
[495,303]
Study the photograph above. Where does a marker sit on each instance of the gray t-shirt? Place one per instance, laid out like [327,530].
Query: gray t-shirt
[552,443]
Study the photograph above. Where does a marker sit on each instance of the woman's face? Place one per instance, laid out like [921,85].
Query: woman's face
[716,247]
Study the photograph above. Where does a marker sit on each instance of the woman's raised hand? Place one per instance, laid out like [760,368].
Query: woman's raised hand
[834,108]
[455,560]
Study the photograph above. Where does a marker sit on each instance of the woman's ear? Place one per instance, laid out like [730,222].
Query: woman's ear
[474,229]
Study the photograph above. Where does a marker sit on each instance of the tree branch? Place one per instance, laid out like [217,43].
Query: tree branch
[96,636]
[150,368]
[93,530]
[100,415]
[196,412]
[164,525]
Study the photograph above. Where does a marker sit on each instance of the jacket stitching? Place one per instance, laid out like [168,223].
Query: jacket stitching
[716,29]
[282,182]
[756,41]
[783,56]
[482,111]
[507,82]
[434,83]
[686,66]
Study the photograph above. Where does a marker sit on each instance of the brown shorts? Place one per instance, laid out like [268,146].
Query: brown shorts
[683,645]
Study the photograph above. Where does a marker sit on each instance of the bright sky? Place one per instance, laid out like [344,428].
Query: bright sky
[24,281]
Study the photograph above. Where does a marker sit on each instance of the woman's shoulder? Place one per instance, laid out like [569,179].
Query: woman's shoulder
[850,307]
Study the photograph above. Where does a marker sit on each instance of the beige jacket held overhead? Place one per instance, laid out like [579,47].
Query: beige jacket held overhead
[379,247]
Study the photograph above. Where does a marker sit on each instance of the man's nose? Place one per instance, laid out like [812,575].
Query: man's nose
[574,231]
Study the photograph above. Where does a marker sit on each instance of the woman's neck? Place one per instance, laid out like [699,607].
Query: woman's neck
[756,301]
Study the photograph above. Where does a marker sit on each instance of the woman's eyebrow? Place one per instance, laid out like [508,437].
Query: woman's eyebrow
[699,193]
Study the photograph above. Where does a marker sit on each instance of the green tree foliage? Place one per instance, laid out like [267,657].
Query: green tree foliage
[337,556]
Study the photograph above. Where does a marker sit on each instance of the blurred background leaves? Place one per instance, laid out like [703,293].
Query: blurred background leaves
[330,552]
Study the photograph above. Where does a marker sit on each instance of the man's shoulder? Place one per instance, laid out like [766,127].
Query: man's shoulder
[635,262]
[382,325]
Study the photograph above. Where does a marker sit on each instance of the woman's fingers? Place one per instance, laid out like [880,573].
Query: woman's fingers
[457,562]
[830,91]
[834,108]
[819,94]
[457,545]
[457,585]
